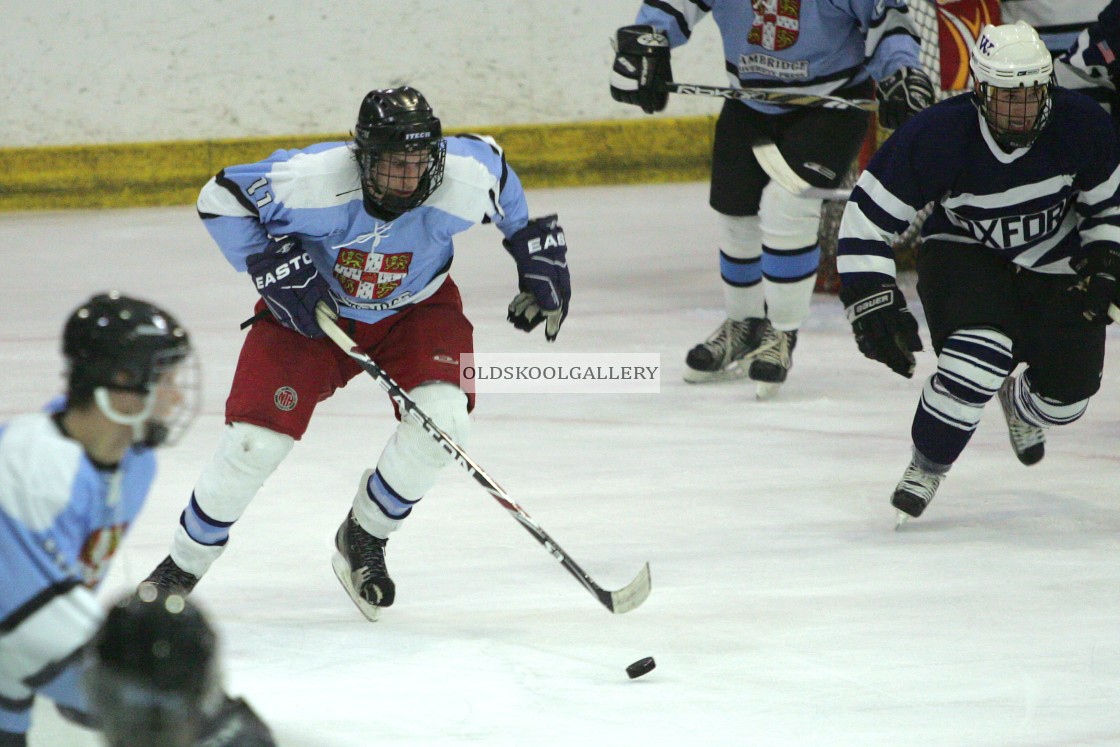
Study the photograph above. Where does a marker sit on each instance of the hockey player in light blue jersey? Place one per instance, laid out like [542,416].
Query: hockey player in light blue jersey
[72,480]
[368,228]
[1019,260]
[820,47]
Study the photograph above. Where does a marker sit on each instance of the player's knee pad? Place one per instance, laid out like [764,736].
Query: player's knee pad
[787,221]
[246,456]
[412,460]
[446,405]
[1043,411]
[972,365]
[738,236]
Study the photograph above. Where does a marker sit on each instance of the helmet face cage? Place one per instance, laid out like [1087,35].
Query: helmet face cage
[1015,116]
[116,343]
[400,150]
[1012,75]
[176,398]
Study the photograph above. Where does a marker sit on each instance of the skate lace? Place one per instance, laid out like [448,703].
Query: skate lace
[777,347]
[917,481]
[733,339]
[1023,434]
[368,550]
[168,576]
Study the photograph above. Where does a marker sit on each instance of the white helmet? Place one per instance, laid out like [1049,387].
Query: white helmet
[1008,57]
[1011,56]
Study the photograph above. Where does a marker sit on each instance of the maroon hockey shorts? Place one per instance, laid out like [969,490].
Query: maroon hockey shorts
[281,375]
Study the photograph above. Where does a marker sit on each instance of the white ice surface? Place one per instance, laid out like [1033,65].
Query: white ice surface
[785,609]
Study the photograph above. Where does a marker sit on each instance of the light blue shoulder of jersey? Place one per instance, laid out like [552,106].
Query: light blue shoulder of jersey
[507,208]
[316,193]
[308,191]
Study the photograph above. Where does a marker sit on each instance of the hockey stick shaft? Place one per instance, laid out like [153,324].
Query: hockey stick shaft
[765,96]
[628,598]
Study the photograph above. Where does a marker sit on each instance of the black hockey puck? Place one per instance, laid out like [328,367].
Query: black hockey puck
[640,667]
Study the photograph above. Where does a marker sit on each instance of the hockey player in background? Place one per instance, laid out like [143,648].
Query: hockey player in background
[1093,56]
[72,479]
[813,47]
[1019,261]
[152,677]
[366,227]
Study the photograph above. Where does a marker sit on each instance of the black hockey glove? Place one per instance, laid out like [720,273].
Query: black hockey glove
[290,285]
[540,251]
[884,328]
[903,94]
[1096,287]
[641,68]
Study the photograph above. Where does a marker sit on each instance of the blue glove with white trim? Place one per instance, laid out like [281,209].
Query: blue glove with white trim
[540,251]
[290,285]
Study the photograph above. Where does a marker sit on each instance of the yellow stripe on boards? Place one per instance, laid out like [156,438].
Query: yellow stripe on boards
[633,151]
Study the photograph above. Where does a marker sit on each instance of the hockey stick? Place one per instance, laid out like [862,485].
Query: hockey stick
[765,96]
[625,599]
[775,166]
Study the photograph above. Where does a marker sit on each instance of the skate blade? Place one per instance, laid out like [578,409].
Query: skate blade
[342,572]
[764,390]
[733,372]
[900,519]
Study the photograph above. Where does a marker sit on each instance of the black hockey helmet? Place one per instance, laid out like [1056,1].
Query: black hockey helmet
[396,125]
[120,343]
[113,342]
[152,671]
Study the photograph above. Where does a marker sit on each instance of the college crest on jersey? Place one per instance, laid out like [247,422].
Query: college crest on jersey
[371,275]
[776,23]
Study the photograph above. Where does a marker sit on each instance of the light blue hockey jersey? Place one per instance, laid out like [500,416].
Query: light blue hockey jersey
[798,46]
[61,520]
[374,267]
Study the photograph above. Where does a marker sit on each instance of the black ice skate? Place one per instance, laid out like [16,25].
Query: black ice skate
[770,368]
[1028,441]
[916,490]
[169,577]
[359,564]
[721,356]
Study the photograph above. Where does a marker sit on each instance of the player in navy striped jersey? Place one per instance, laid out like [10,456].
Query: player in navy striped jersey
[1019,259]
[367,228]
[801,46]
[72,479]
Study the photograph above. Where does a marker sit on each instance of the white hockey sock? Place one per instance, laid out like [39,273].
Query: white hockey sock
[740,267]
[790,255]
[411,461]
[245,457]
